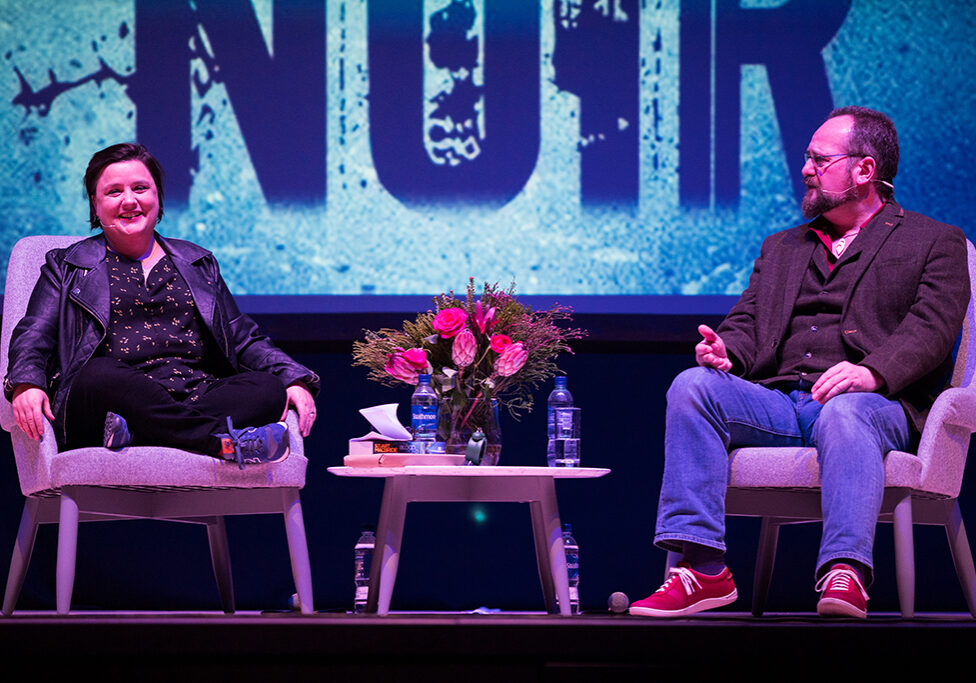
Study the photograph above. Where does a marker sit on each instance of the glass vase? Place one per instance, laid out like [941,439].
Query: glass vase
[457,423]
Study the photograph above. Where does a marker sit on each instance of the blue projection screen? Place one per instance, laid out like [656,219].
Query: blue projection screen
[397,147]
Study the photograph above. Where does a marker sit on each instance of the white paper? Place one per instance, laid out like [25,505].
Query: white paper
[385,424]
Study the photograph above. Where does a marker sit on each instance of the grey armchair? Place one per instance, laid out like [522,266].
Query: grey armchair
[782,485]
[96,484]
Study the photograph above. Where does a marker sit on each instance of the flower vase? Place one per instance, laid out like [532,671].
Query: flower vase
[458,423]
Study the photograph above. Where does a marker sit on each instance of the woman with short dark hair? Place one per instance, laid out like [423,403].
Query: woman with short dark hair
[131,338]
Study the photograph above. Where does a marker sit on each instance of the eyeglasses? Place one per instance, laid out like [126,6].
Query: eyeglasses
[821,161]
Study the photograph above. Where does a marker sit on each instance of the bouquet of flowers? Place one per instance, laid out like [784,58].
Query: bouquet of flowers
[477,350]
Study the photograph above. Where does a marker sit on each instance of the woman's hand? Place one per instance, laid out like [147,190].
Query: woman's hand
[301,400]
[31,405]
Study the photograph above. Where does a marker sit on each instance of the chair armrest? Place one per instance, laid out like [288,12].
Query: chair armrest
[295,441]
[945,440]
[955,406]
[34,458]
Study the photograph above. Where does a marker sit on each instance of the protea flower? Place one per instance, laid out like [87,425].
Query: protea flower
[511,359]
[464,348]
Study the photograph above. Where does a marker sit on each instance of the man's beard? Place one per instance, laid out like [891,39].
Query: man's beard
[817,202]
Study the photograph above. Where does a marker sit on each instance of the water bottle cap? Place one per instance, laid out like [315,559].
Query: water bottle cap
[425,379]
[560,381]
[567,527]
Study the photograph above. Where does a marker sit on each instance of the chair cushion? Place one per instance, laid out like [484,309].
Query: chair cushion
[797,468]
[148,466]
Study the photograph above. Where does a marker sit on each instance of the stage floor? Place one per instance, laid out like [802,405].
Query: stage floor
[504,647]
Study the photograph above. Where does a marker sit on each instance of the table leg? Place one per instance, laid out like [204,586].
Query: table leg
[386,556]
[540,536]
[549,548]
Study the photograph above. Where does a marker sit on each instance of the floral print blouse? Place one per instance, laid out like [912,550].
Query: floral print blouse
[155,326]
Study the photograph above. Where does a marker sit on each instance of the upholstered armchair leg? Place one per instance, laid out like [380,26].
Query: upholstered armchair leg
[20,558]
[905,556]
[67,549]
[220,556]
[962,555]
[765,558]
[298,548]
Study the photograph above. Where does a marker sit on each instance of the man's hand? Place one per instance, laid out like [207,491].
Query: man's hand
[842,378]
[710,351]
[301,400]
[31,405]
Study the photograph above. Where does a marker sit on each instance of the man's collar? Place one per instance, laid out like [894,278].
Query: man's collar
[890,211]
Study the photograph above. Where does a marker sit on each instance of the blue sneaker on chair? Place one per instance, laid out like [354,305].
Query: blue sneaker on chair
[116,433]
[255,445]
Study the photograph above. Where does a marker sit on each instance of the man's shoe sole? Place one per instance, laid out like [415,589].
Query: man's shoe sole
[832,607]
[701,605]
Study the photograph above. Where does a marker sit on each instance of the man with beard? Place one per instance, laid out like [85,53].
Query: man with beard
[841,341]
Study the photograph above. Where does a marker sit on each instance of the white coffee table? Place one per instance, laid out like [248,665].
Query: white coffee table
[500,484]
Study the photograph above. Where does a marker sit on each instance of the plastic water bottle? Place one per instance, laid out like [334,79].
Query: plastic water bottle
[560,450]
[571,548]
[363,561]
[423,410]
[558,398]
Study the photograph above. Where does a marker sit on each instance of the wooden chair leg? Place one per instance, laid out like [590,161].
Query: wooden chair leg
[220,556]
[67,549]
[905,556]
[765,559]
[301,570]
[962,555]
[20,558]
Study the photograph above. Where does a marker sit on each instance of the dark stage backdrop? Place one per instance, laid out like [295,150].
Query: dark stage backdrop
[579,147]
[459,556]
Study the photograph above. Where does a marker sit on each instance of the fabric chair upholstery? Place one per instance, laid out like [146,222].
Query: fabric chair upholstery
[89,484]
[782,485]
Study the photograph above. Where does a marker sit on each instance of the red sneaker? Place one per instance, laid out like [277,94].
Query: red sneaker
[686,592]
[842,593]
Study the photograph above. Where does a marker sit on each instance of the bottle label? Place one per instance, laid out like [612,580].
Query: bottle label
[562,423]
[566,423]
[423,420]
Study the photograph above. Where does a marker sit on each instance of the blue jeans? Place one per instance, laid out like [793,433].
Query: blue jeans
[711,412]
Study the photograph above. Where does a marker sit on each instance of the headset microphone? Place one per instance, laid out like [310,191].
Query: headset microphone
[883,182]
[836,191]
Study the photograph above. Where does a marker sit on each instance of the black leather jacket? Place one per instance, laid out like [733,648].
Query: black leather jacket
[68,315]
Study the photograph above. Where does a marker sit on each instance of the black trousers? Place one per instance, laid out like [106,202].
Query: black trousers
[155,418]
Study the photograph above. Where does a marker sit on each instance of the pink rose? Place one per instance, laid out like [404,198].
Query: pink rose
[417,358]
[500,342]
[449,322]
[511,359]
[401,368]
[464,348]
